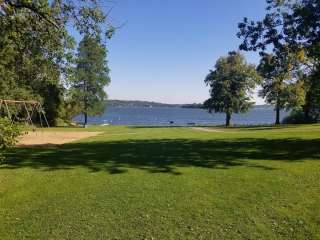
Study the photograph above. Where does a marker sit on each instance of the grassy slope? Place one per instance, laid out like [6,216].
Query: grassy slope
[166,183]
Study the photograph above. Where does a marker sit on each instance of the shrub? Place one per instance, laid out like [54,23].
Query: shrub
[8,135]
[297,117]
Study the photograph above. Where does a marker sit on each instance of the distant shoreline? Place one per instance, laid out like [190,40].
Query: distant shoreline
[138,103]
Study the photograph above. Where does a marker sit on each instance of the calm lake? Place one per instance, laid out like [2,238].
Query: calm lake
[179,116]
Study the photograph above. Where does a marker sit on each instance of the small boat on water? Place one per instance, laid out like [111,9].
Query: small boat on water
[105,124]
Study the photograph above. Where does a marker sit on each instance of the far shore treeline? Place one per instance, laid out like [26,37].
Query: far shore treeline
[138,103]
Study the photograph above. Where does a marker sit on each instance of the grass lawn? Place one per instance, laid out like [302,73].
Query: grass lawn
[166,183]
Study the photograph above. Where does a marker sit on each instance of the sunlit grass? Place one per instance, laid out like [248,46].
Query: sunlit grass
[166,183]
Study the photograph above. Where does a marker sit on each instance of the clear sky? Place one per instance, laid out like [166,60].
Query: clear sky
[167,47]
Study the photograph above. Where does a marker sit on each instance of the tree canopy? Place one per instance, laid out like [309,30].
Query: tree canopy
[279,87]
[289,35]
[91,76]
[231,83]
[37,52]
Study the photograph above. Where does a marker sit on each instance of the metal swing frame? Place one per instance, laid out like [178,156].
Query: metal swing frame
[34,105]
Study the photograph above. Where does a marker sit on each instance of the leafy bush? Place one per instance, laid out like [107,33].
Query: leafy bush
[297,117]
[8,135]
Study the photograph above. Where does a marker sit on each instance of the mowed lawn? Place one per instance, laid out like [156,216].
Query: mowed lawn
[166,183]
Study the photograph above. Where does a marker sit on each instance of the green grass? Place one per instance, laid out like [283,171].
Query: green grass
[166,183]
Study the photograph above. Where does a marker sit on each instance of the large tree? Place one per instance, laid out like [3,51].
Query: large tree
[91,76]
[33,55]
[36,51]
[277,74]
[311,106]
[294,25]
[231,84]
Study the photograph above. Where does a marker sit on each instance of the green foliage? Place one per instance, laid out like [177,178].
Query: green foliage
[278,87]
[290,29]
[91,76]
[8,135]
[298,117]
[295,23]
[311,107]
[231,84]
[36,51]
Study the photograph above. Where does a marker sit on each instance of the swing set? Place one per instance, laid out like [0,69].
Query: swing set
[23,111]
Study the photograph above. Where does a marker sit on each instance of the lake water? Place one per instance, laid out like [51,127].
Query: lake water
[179,116]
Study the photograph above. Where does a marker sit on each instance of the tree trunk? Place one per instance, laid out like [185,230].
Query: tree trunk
[306,114]
[277,113]
[228,118]
[85,89]
[85,118]
[306,111]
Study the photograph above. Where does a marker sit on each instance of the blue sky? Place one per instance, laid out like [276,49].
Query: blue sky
[166,48]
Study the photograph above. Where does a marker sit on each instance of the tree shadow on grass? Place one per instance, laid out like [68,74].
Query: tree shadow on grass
[163,155]
[269,127]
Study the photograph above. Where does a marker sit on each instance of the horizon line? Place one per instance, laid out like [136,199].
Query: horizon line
[152,101]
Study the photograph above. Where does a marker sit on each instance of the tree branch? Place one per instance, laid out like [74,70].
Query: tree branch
[32,8]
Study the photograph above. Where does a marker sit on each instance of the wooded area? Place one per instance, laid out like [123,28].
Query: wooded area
[38,57]
[288,42]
